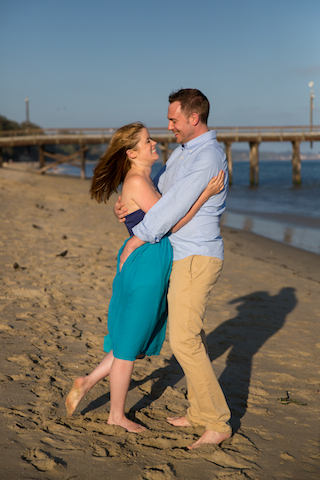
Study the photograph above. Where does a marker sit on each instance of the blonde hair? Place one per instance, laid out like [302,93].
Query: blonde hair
[114,164]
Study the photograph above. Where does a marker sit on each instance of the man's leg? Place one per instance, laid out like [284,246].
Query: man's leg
[191,281]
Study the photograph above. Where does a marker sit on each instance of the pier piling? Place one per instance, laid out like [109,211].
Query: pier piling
[228,153]
[254,163]
[296,163]
[41,157]
[83,161]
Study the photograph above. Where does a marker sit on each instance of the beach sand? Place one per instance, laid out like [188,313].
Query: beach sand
[58,260]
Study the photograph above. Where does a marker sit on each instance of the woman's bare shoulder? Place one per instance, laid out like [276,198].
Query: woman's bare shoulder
[135,180]
[139,190]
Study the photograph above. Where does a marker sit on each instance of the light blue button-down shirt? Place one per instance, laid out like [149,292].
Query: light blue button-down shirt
[187,173]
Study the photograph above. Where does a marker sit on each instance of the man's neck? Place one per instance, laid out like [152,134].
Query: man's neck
[200,131]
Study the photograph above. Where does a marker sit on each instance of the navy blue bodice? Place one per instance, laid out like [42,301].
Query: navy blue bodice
[133,219]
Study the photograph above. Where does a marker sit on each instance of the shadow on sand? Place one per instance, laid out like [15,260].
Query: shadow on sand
[260,316]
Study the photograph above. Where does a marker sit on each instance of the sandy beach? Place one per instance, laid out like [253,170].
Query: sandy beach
[58,253]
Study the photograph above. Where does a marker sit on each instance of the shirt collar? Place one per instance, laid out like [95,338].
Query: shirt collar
[196,142]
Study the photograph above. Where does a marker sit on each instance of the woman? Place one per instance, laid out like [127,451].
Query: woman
[137,311]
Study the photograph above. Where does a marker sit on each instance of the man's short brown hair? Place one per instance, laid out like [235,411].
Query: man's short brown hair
[192,101]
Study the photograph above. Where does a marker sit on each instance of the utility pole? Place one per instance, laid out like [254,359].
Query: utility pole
[27,111]
[311,109]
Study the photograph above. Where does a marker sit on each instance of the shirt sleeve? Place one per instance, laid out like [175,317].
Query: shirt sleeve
[179,199]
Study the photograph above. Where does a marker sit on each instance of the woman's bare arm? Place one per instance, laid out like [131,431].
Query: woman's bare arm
[215,186]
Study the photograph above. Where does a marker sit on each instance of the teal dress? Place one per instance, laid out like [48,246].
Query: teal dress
[137,313]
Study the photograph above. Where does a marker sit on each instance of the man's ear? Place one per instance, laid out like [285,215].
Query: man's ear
[194,119]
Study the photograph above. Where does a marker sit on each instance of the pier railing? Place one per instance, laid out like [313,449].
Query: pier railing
[253,135]
[300,129]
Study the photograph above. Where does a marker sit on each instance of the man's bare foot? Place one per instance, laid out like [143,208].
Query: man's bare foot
[178,421]
[210,436]
[129,425]
[76,393]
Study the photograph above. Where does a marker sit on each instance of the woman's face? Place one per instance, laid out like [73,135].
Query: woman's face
[146,148]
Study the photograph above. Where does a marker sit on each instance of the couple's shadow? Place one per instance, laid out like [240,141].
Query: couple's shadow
[260,315]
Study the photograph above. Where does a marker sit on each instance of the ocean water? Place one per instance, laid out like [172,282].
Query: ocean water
[275,208]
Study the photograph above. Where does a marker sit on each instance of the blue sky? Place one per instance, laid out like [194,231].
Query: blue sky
[103,63]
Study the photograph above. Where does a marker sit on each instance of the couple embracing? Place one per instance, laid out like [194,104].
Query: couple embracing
[169,264]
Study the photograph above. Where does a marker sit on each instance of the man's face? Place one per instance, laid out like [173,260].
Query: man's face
[179,124]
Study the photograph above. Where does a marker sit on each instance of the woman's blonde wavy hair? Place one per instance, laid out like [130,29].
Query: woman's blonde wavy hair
[114,164]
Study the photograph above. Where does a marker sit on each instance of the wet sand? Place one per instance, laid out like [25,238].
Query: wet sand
[58,254]
[293,230]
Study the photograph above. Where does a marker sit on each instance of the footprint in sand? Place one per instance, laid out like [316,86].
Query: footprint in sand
[158,472]
[39,459]
[58,444]
[229,459]
[6,328]
[108,449]
[22,360]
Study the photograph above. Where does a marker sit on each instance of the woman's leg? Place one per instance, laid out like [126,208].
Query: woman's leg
[120,376]
[82,385]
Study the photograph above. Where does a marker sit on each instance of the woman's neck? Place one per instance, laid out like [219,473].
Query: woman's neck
[139,169]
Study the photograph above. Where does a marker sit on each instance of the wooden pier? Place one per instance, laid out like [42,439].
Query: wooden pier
[226,135]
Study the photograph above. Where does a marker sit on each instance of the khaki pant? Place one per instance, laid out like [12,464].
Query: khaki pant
[191,282]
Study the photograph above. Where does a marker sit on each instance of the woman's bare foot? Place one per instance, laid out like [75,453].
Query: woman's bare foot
[129,425]
[178,421]
[210,436]
[76,393]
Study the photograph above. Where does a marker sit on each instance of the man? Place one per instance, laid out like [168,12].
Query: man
[197,254]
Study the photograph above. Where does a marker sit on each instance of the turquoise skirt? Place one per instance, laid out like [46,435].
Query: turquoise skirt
[137,313]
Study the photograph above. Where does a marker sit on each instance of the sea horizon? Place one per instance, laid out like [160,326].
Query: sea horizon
[275,208]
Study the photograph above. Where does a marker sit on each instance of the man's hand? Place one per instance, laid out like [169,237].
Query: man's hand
[120,210]
[132,244]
